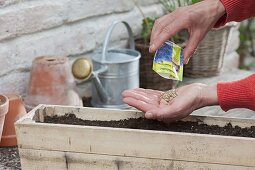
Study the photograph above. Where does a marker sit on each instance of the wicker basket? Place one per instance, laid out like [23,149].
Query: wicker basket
[149,79]
[208,59]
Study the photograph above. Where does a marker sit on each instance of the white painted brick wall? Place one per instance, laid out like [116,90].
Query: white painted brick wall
[31,28]
[4,3]
[80,9]
[30,17]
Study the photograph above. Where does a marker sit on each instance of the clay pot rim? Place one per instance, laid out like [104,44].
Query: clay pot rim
[3,99]
[4,105]
[50,60]
[13,96]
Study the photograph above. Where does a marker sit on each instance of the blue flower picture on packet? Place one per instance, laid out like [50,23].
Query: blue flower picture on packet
[168,61]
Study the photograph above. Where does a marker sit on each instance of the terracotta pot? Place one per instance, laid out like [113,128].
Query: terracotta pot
[51,82]
[4,105]
[15,112]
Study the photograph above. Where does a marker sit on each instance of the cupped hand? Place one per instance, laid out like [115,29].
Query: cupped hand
[198,19]
[190,98]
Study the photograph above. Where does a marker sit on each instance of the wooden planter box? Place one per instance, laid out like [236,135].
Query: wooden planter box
[55,146]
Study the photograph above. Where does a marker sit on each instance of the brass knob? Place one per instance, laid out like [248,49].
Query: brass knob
[82,68]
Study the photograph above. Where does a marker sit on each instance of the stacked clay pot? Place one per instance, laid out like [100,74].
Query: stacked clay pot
[4,106]
[51,82]
[15,112]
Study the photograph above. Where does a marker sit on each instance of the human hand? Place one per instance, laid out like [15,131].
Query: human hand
[190,98]
[198,19]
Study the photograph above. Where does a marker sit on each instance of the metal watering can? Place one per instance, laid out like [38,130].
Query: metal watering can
[114,70]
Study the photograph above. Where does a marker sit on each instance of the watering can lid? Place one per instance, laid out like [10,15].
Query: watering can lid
[114,56]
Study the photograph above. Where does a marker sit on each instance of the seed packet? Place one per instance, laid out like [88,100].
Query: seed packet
[168,61]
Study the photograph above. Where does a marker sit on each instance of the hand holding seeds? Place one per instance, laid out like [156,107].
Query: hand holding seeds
[171,105]
[167,96]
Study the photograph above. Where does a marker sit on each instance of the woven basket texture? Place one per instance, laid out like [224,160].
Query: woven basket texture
[208,59]
[149,79]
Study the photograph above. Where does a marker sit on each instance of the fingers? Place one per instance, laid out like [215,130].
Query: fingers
[160,24]
[142,99]
[149,91]
[140,105]
[139,95]
[148,94]
[165,34]
[191,46]
[152,115]
[166,113]
[156,114]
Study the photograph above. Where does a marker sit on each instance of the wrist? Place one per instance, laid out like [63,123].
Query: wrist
[209,95]
[217,9]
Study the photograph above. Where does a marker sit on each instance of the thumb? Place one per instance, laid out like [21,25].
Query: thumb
[150,115]
[159,113]
[167,113]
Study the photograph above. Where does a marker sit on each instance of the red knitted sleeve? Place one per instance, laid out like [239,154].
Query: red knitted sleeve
[236,10]
[237,94]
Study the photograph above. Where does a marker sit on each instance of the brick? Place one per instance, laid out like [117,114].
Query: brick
[30,17]
[16,54]
[14,83]
[20,52]
[67,40]
[6,58]
[134,18]
[4,3]
[147,2]
[80,9]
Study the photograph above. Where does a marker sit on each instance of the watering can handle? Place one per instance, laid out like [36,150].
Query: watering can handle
[107,38]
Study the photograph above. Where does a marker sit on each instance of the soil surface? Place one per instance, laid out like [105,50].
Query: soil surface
[86,101]
[9,158]
[141,123]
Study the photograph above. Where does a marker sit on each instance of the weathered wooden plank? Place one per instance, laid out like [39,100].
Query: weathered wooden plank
[43,160]
[135,143]
[139,143]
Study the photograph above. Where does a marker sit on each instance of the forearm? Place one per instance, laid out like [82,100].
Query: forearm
[237,94]
[236,10]
[230,95]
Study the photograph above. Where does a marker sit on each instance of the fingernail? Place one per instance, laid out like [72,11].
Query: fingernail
[152,47]
[186,61]
[149,115]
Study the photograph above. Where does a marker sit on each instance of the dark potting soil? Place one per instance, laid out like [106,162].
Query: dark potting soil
[9,158]
[86,101]
[146,124]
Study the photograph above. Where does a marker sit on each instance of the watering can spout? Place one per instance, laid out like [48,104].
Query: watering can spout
[82,70]
[100,89]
